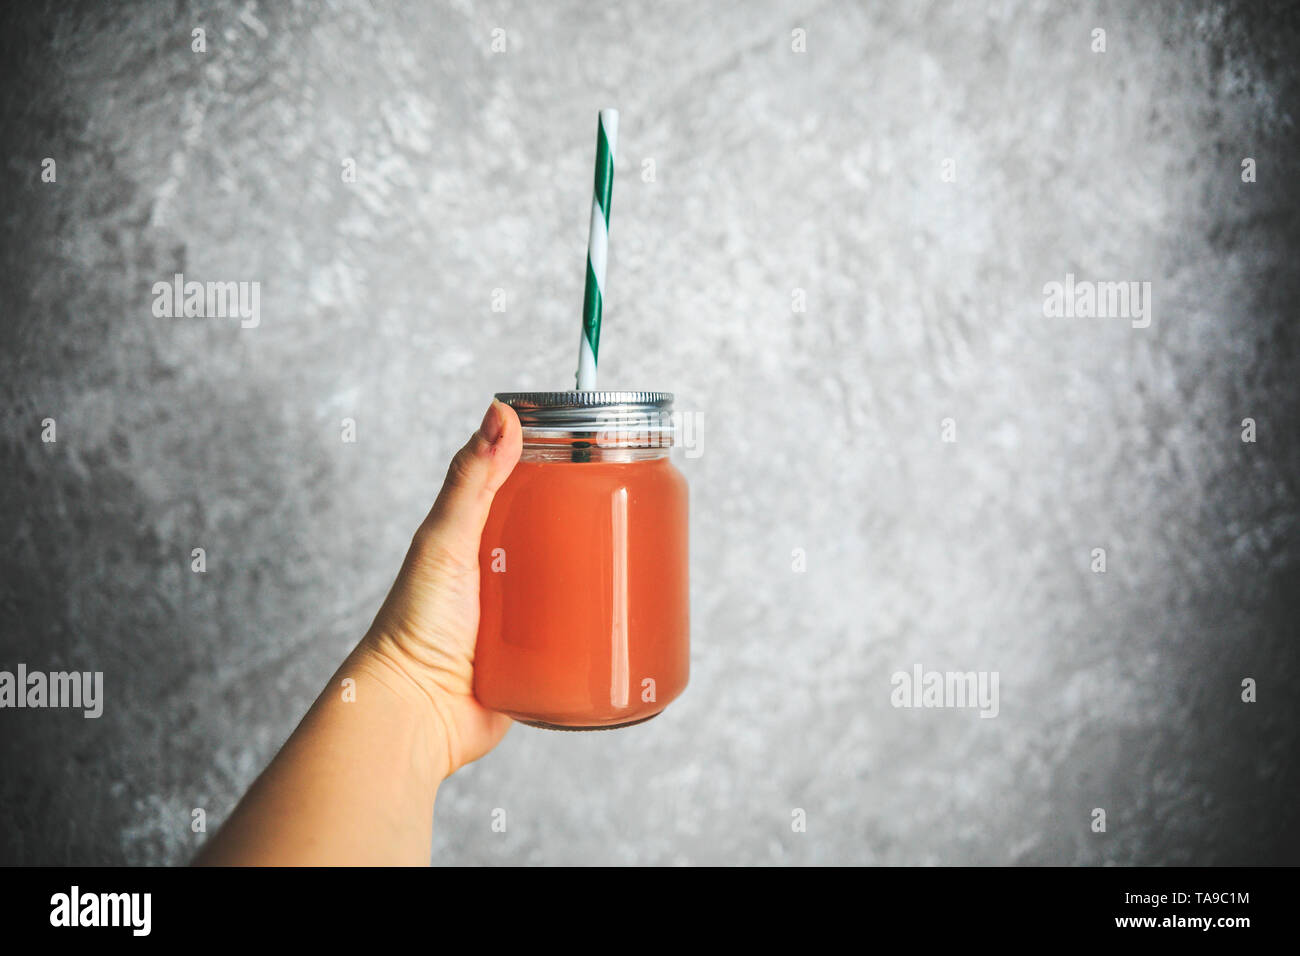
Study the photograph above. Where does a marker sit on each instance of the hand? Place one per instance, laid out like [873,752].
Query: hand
[356,781]
[424,635]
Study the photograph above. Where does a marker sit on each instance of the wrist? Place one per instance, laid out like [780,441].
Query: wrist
[412,705]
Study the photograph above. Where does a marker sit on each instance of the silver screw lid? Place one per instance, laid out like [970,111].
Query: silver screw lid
[592,410]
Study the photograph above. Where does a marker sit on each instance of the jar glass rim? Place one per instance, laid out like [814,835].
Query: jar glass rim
[619,417]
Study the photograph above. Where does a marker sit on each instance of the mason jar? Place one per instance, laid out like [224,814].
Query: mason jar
[585,602]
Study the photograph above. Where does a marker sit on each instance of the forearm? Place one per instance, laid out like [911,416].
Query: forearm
[354,783]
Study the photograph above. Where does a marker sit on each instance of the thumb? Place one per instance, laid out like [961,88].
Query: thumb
[473,477]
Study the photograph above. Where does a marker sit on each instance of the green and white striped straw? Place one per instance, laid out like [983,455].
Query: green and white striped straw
[593,299]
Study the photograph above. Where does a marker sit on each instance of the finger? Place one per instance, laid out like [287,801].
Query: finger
[476,472]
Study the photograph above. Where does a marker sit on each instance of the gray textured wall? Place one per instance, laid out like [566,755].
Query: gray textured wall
[775,171]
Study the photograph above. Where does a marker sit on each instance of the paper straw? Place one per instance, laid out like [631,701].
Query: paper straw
[593,298]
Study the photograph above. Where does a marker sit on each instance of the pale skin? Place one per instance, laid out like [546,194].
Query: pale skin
[355,783]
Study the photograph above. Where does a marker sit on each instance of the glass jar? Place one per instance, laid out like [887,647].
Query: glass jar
[584,585]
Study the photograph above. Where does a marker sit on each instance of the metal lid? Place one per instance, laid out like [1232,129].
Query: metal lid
[591,411]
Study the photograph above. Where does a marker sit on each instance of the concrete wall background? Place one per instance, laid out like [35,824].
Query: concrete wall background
[775,171]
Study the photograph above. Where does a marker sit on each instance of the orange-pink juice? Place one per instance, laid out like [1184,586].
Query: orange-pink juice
[585,593]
